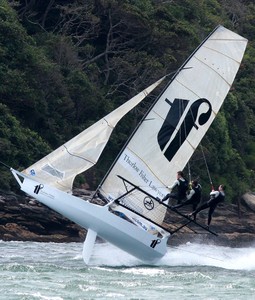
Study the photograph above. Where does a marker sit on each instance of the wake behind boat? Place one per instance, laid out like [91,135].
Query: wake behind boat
[132,217]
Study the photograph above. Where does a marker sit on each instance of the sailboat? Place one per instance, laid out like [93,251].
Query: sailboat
[132,216]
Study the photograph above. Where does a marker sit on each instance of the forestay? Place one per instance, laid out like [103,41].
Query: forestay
[167,137]
[59,168]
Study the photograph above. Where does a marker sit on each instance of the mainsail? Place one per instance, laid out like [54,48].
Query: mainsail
[170,132]
[59,168]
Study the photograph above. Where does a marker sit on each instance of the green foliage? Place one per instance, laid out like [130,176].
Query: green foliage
[65,65]
[19,146]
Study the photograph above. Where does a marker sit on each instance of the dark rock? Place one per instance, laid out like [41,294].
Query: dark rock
[233,224]
[24,219]
[249,200]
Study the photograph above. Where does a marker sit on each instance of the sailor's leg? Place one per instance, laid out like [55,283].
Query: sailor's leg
[167,196]
[173,197]
[210,212]
[186,202]
[194,205]
[201,207]
[178,205]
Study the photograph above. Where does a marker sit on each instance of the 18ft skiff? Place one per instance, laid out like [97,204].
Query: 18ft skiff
[132,217]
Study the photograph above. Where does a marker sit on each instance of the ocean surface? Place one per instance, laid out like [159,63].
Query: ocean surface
[30,270]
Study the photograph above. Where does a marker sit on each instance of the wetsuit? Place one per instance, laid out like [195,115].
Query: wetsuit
[181,185]
[193,198]
[216,197]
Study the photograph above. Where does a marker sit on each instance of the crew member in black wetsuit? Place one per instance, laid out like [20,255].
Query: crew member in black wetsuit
[181,186]
[216,197]
[194,196]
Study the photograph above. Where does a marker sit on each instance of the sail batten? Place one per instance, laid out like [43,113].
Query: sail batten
[214,70]
[223,54]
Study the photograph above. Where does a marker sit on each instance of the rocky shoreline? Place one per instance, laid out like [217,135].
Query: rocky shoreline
[24,219]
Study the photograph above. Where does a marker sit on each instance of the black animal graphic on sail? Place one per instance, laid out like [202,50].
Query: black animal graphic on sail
[172,119]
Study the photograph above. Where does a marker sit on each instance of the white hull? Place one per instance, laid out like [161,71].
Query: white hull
[116,230]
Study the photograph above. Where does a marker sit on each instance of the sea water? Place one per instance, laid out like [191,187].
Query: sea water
[51,271]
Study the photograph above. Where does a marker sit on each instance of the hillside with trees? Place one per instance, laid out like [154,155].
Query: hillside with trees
[65,64]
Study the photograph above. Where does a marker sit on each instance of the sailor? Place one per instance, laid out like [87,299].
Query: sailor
[216,197]
[194,196]
[181,186]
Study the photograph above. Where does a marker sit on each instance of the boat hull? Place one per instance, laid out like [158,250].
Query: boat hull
[114,229]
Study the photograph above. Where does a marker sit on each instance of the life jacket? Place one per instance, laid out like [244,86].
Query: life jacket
[221,197]
[215,200]
[197,196]
[182,188]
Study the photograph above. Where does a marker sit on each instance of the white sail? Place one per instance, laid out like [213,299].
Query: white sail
[59,168]
[175,125]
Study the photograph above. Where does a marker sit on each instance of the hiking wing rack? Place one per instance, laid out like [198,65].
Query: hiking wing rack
[131,188]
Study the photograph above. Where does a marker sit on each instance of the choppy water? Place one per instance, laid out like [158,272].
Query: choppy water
[57,271]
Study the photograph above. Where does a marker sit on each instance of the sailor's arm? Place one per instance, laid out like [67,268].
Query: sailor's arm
[214,194]
[170,187]
[191,193]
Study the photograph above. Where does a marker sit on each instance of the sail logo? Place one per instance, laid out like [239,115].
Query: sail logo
[154,243]
[148,203]
[32,172]
[38,188]
[168,129]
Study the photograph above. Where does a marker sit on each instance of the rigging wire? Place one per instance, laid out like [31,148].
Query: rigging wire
[182,108]
[185,133]
[207,168]
[5,165]
[203,154]
[189,176]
